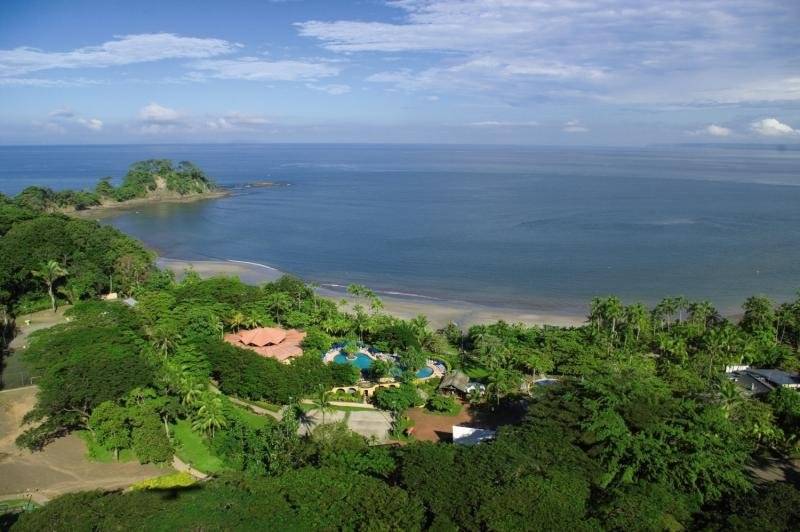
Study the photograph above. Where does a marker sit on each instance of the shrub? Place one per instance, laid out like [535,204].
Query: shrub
[443,403]
[150,442]
[316,341]
[344,374]
[179,479]
[397,399]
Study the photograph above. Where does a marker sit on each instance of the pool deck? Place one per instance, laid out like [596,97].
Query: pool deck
[437,367]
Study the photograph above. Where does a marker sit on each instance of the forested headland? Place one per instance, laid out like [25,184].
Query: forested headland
[151,179]
[643,430]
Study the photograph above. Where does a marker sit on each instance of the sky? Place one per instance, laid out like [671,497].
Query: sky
[548,72]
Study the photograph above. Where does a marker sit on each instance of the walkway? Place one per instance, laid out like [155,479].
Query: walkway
[14,373]
[180,465]
[253,408]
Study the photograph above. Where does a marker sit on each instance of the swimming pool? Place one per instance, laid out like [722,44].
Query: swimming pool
[362,361]
[425,372]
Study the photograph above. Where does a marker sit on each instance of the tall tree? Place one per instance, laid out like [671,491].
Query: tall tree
[50,272]
[322,401]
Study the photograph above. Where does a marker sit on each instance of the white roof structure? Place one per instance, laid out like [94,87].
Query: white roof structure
[470,435]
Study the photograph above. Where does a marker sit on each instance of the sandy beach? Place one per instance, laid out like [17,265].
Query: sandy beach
[439,312]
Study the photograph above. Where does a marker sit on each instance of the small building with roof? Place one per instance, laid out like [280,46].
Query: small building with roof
[270,342]
[455,381]
[760,381]
[471,435]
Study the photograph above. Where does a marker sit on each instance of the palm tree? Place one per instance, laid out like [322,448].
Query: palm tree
[729,395]
[210,416]
[50,272]
[322,402]
[278,304]
[636,319]
[681,304]
[163,340]
[236,321]
[701,313]
[420,327]
[191,391]
[502,382]
[361,321]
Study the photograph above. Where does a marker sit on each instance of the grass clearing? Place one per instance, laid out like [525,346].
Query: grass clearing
[265,405]
[447,413]
[192,449]
[255,421]
[97,453]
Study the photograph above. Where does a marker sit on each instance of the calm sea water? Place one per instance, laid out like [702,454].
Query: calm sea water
[541,228]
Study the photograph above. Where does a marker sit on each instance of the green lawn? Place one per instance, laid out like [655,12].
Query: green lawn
[190,447]
[254,420]
[449,413]
[263,404]
[476,373]
[307,407]
[96,453]
[10,505]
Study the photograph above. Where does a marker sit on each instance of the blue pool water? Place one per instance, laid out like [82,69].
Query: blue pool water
[427,371]
[362,361]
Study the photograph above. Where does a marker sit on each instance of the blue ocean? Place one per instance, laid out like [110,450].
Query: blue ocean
[543,228]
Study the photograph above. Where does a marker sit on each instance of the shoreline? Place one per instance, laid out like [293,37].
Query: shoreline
[438,311]
[108,210]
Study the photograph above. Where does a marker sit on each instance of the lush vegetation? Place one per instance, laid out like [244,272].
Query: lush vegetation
[143,178]
[643,430]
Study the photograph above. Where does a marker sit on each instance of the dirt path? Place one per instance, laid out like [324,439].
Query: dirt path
[437,428]
[13,373]
[62,466]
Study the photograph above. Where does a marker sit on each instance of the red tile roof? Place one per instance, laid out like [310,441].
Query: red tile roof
[269,342]
[263,336]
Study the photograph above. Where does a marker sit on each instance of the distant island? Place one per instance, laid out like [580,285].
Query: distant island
[153,180]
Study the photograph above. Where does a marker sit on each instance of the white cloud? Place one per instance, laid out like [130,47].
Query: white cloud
[123,50]
[567,49]
[253,69]
[236,121]
[59,119]
[773,90]
[64,112]
[574,126]
[155,114]
[91,123]
[334,88]
[156,119]
[500,123]
[47,83]
[772,127]
[717,131]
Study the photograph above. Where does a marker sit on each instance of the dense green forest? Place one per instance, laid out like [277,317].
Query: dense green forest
[642,432]
[143,178]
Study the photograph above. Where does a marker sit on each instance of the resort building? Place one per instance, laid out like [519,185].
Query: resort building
[454,381]
[271,342]
[760,381]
